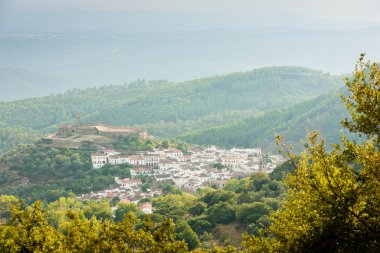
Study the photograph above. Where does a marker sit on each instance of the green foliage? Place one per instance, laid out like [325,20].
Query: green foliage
[101,209]
[281,171]
[202,219]
[135,143]
[261,224]
[183,146]
[145,187]
[198,208]
[215,197]
[165,109]
[330,203]
[53,173]
[30,231]
[222,213]
[250,213]
[123,209]
[259,180]
[363,101]
[322,113]
[115,201]
[218,166]
[11,137]
[200,225]
[173,206]
[184,232]
[333,202]
[6,202]
[167,188]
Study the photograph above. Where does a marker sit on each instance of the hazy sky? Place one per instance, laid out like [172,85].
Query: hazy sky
[361,10]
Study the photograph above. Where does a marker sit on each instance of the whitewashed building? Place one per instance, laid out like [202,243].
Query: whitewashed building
[248,151]
[141,172]
[173,153]
[127,183]
[163,177]
[168,165]
[124,159]
[113,159]
[152,159]
[136,160]
[146,208]
[98,160]
[232,161]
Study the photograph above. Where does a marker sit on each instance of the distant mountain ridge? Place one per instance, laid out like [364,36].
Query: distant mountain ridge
[15,83]
[82,60]
[168,109]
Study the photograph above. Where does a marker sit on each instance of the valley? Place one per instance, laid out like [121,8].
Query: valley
[201,126]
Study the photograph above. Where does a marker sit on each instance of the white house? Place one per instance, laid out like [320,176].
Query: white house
[124,159]
[146,208]
[152,159]
[232,161]
[167,165]
[158,152]
[193,184]
[98,160]
[204,177]
[248,151]
[195,159]
[164,177]
[127,183]
[137,160]
[159,172]
[113,159]
[141,172]
[180,181]
[173,153]
[184,158]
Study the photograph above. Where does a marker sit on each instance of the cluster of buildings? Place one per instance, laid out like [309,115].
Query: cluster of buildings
[128,191]
[199,167]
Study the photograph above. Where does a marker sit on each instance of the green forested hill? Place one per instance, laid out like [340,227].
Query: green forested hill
[164,108]
[322,113]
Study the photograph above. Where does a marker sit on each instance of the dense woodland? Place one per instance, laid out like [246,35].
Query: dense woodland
[53,172]
[211,217]
[166,109]
[322,113]
[319,201]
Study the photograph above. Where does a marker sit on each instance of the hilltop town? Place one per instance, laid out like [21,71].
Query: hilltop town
[153,169]
[197,168]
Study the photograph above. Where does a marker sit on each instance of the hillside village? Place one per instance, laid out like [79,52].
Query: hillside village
[150,170]
[198,168]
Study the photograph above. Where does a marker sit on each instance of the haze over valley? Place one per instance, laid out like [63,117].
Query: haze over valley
[46,52]
[189,126]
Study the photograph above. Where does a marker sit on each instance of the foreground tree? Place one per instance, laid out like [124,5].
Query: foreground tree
[363,101]
[29,231]
[333,198]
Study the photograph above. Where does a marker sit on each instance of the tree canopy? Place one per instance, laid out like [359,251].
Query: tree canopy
[333,198]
